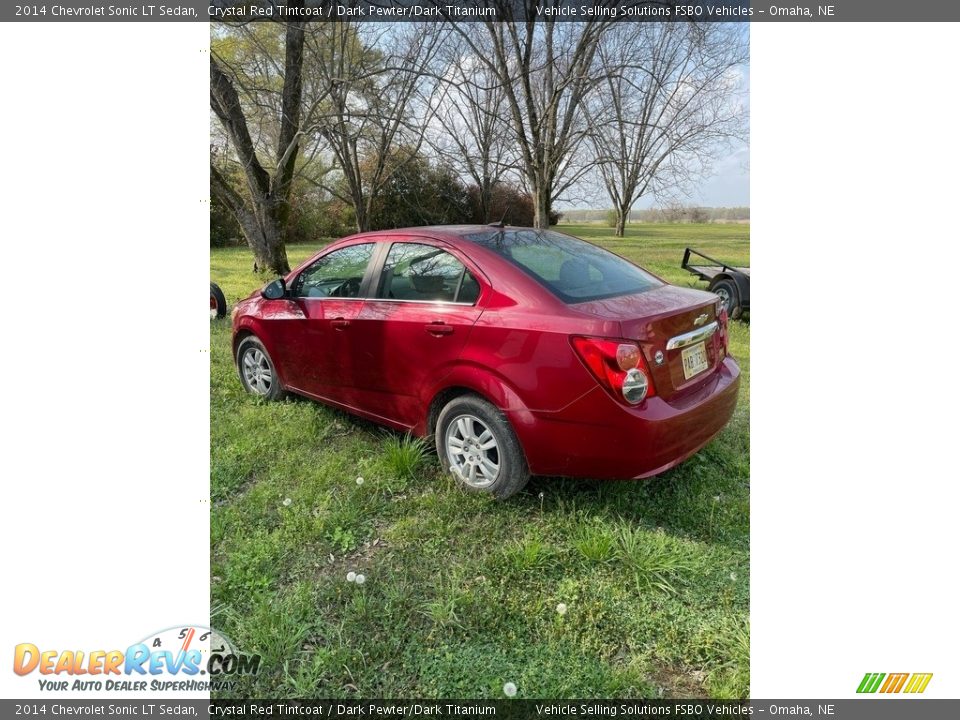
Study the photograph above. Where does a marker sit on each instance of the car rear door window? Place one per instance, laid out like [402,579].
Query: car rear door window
[425,273]
[338,274]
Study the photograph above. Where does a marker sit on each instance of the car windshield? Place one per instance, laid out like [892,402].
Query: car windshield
[573,270]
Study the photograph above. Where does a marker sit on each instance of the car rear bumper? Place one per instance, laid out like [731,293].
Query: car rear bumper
[597,437]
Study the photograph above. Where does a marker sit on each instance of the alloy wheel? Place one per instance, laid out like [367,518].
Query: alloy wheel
[257,371]
[472,451]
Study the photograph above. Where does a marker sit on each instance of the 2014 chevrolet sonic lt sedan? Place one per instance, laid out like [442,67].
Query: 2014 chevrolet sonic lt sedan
[522,351]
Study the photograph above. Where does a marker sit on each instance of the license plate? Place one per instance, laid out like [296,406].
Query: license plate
[694,360]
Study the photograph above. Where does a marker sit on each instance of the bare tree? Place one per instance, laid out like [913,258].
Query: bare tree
[469,132]
[379,102]
[669,102]
[546,69]
[263,213]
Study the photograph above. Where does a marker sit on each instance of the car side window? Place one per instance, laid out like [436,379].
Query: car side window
[338,274]
[414,271]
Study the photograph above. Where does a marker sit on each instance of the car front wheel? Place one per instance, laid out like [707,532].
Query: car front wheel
[257,371]
[478,447]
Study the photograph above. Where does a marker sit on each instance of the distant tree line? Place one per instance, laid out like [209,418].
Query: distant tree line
[319,129]
[668,214]
[692,214]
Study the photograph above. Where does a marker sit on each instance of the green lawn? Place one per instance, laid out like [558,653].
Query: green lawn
[461,592]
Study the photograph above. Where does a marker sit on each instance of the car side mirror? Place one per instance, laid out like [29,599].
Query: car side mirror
[275,290]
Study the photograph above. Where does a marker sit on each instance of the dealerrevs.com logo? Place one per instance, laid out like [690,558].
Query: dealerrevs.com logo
[182,658]
[885,683]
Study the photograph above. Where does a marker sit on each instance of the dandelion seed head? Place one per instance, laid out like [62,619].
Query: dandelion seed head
[351,576]
[360,579]
[359,480]
[562,609]
[509,689]
[733,577]
[286,502]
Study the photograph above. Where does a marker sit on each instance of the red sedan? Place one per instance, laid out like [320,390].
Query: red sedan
[521,351]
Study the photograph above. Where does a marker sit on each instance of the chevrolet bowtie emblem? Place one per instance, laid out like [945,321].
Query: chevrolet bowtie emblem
[700,319]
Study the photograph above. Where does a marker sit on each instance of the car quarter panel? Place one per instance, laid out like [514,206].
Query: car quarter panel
[533,350]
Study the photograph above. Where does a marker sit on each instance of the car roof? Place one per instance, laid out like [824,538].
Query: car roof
[440,231]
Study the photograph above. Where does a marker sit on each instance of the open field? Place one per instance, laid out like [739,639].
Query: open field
[461,592]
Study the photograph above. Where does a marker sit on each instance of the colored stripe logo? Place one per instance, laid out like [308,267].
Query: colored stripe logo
[894,682]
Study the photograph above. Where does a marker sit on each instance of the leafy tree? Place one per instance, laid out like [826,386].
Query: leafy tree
[263,211]
[420,193]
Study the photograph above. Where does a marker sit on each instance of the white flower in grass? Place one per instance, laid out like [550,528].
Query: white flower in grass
[509,689]
[286,502]
[716,498]
[561,609]
[733,577]
[360,580]
[351,576]
[359,480]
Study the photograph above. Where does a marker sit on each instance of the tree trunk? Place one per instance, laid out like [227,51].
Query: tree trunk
[269,249]
[361,211]
[621,221]
[541,207]
[486,200]
[263,228]
[264,236]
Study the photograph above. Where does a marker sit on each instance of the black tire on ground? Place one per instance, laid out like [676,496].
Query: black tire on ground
[217,301]
[727,291]
[258,375]
[468,418]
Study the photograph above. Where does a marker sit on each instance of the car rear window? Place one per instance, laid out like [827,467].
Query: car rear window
[573,270]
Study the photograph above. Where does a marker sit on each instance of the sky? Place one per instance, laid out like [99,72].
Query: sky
[730,184]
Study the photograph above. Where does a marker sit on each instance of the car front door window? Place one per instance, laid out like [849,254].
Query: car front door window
[338,274]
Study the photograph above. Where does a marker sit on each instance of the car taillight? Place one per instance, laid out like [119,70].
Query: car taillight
[722,321]
[618,365]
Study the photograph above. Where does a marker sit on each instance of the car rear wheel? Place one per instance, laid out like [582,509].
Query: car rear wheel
[478,447]
[726,290]
[257,371]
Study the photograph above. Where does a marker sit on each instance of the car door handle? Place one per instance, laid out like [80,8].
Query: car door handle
[439,328]
[340,323]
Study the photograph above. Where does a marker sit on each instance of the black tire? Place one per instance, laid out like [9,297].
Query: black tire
[727,291]
[218,302]
[479,416]
[253,356]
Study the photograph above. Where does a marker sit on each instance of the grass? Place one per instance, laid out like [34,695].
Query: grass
[404,455]
[461,592]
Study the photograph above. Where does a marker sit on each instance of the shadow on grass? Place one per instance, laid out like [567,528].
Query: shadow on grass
[706,498]
[680,501]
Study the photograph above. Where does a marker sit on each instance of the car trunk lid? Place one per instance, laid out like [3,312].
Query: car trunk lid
[680,324]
